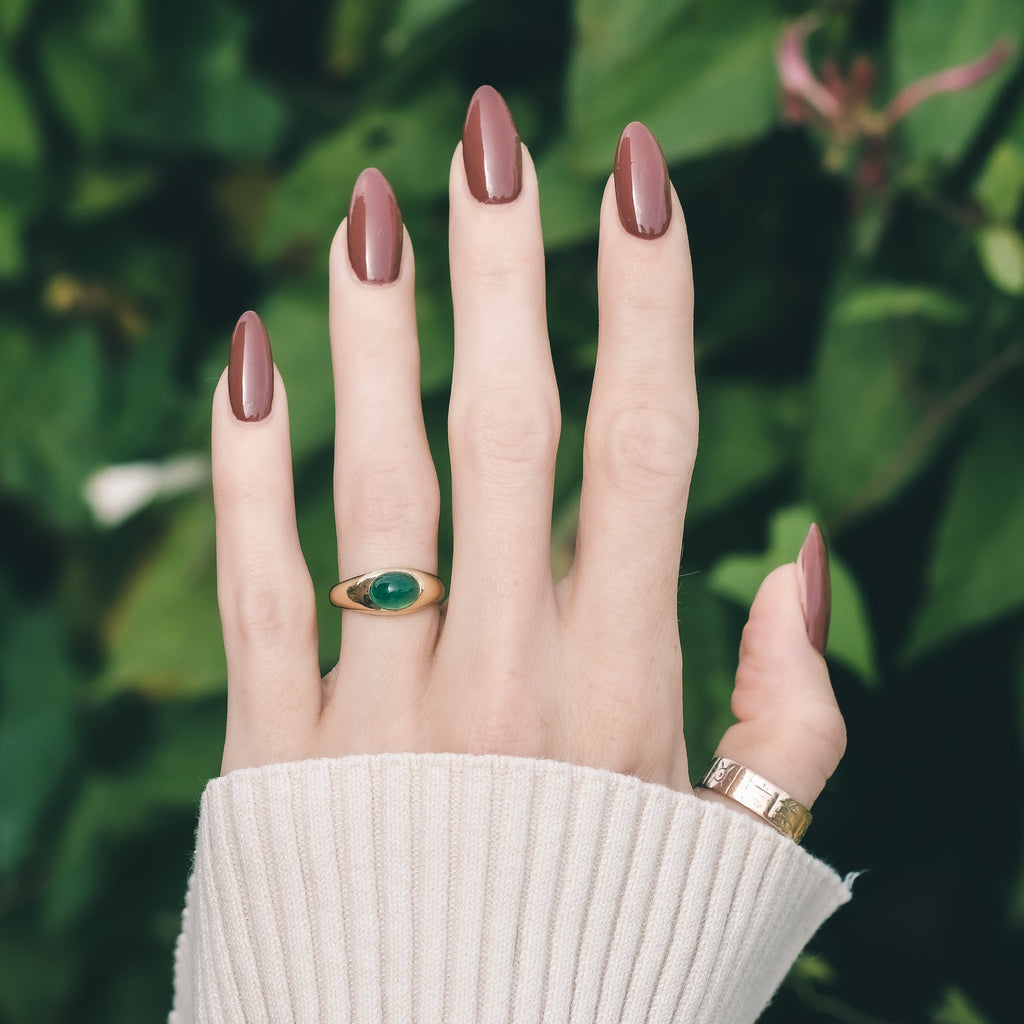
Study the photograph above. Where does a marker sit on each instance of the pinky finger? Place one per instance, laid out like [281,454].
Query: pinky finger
[789,727]
[264,589]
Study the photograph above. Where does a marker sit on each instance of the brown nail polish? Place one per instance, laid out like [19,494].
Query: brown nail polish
[815,587]
[491,150]
[641,183]
[250,369]
[374,229]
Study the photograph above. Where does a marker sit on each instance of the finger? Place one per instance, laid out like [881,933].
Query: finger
[641,431]
[386,493]
[264,589]
[504,417]
[789,727]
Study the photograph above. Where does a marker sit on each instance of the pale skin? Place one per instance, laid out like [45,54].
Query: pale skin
[513,663]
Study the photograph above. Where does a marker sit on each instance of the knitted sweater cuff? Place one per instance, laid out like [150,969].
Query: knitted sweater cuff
[401,888]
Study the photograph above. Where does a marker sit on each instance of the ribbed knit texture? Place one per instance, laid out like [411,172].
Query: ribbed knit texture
[414,889]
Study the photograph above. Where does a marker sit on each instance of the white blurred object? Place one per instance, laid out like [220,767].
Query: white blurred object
[115,493]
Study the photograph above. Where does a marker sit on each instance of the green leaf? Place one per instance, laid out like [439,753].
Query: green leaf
[413,17]
[701,76]
[748,435]
[435,328]
[570,199]
[1015,904]
[611,32]
[222,113]
[868,434]
[737,577]
[11,256]
[976,569]
[929,36]
[1000,188]
[163,634]
[956,1008]
[95,61]
[111,810]
[411,145]
[812,969]
[98,191]
[870,303]
[26,992]
[172,77]
[50,392]
[19,139]
[12,14]
[37,691]
[352,37]
[84,91]
[710,642]
[202,95]
[1001,251]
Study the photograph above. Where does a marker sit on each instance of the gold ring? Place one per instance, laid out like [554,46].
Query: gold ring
[759,795]
[388,591]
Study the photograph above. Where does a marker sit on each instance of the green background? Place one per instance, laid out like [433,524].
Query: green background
[860,352]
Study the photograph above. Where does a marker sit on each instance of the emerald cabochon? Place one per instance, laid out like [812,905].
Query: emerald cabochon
[394,591]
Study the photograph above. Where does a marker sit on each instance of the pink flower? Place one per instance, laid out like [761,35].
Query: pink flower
[841,106]
[955,79]
[803,95]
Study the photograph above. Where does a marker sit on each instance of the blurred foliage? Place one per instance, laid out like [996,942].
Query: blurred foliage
[860,341]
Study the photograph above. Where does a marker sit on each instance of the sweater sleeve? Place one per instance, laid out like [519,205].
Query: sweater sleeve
[423,888]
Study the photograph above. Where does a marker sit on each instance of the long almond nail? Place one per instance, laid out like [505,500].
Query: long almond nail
[641,183]
[491,149]
[250,369]
[374,229]
[815,587]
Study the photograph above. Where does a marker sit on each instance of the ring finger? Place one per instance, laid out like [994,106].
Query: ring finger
[386,493]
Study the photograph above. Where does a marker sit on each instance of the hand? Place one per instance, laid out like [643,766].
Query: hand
[587,670]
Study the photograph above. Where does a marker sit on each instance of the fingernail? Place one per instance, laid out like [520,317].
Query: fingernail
[250,369]
[374,229]
[641,183]
[815,587]
[491,150]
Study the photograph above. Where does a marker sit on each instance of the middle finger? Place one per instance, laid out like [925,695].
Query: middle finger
[504,418]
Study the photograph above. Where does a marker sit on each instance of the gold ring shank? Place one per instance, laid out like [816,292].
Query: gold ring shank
[757,794]
[395,591]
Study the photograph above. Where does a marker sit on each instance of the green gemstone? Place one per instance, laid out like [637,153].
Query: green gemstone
[394,591]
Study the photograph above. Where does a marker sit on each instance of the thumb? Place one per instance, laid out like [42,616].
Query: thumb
[789,728]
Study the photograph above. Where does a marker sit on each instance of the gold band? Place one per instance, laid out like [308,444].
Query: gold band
[759,795]
[388,591]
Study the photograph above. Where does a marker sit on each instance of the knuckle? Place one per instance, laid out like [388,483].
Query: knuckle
[262,613]
[513,426]
[623,735]
[237,493]
[385,498]
[500,264]
[647,445]
[762,655]
[504,716]
[643,298]
[815,739]
[511,725]
[828,726]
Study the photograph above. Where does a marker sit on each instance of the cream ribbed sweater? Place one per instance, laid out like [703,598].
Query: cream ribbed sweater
[421,888]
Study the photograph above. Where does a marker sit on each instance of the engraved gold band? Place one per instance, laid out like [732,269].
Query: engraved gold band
[759,795]
[388,591]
